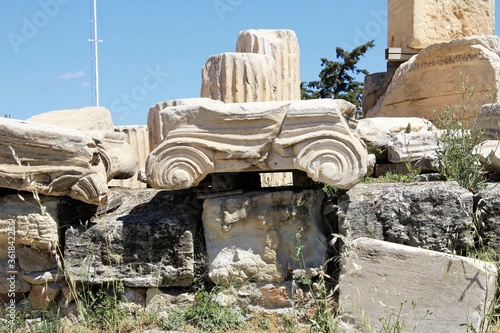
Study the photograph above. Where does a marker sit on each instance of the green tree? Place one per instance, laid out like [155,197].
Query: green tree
[336,77]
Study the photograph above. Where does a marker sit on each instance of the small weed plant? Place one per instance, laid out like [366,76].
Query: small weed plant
[322,311]
[460,134]
[208,316]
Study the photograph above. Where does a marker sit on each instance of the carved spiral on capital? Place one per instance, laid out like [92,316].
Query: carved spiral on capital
[334,162]
[178,167]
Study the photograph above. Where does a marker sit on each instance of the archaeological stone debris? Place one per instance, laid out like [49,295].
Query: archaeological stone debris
[269,197]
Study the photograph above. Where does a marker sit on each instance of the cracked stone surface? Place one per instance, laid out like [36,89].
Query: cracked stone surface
[431,215]
[253,236]
[50,160]
[382,283]
[146,238]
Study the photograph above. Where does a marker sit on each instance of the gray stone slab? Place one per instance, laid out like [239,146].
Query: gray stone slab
[430,215]
[146,240]
[389,284]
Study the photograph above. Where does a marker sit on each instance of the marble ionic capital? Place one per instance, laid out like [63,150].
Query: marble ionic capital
[311,136]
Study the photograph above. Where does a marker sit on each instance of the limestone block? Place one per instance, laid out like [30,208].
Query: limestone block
[410,147]
[157,130]
[50,160]
[158,300]
[239,77]
[254,236]
[84,119]
[137,138]
[310,136]
[429,82]
[488,123]
[144,238]
[35,260]
[117,156]
[260,297]
[135,296]
[374,86]
[429,163]
[426,291]
[489,155]
[33,227]
[419,23]
[376,132]
[36,237]
[283,46]
[41,296]
[423,215]
[488,213]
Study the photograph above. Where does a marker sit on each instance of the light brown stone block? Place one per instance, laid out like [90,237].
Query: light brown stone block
[417,24]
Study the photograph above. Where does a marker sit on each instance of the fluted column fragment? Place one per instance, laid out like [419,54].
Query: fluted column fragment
[239,77]
[283,46]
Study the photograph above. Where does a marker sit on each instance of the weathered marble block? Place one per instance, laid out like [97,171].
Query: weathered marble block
[410,147]
[489,155]
[429,215]
[376,132]
[83,119]
[33,226]
[137,138]
[36,226]
[146,240]
[488,123]
[254,236]
[157,129]
[239,77]
[383,283]
[283,46]
[419,23]
[118,158]
[116,155]
[50,160]
[430,82]
[488,213]
[374,86]
[310,136]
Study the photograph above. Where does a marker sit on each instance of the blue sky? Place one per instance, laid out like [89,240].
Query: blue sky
[153,50]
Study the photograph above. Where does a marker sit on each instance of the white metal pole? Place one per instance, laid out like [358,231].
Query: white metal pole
[95,42]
